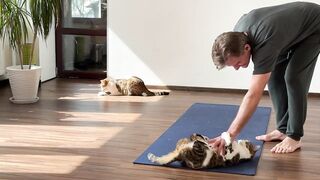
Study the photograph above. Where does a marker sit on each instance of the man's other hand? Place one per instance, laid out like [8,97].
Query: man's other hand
[218,143]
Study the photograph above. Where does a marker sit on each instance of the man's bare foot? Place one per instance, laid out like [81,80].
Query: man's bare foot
[272,136]
[288,145]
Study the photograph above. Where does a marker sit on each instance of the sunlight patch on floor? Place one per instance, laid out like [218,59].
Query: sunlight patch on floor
[130,98]
[67,141]
[95,97]
[100,117]
[56,136]
[39,148]
[65,138]
[40,163]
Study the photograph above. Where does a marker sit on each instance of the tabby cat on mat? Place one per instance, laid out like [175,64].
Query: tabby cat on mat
[133,86]
[195,153]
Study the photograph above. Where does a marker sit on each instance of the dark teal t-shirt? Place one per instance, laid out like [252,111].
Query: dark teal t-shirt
[274,30]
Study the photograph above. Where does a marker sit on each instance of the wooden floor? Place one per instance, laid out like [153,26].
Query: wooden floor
[71,133]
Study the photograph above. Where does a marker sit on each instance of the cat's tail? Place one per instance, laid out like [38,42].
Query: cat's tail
[161,93]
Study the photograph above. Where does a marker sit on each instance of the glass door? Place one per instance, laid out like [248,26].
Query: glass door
[81,39]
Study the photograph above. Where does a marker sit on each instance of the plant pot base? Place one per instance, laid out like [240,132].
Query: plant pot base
[23,101]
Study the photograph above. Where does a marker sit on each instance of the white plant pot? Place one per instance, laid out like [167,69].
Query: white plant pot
[24,83]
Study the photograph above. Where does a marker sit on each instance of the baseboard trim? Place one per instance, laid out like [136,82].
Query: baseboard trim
[216,90]
[48,80]
[199,89]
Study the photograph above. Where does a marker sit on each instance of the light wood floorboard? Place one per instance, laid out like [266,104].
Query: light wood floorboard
[71,133]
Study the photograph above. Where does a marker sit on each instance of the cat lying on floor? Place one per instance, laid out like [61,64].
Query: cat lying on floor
[133,86]
[195,153]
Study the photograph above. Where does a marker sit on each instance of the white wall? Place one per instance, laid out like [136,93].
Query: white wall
[2,66]
[168,42]
[47,56]
[5,57]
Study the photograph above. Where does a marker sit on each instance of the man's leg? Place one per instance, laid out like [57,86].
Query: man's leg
[298,77]
[278,92]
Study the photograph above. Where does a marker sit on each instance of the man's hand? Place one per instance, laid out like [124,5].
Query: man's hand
[218,143]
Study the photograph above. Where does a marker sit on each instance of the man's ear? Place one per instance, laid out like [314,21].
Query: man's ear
[247,47]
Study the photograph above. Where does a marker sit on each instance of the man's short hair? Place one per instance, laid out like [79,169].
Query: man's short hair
[226,44]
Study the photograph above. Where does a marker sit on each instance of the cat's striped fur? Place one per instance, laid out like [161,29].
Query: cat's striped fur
[195,152]
[133,86]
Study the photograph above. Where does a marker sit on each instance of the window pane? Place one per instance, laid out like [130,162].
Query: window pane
[85,14]
[84,53]
[86,8]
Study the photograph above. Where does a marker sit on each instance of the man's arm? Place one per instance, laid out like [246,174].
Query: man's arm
[249,103]
[247,108]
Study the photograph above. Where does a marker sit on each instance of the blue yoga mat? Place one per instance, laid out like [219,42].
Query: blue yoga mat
[211,120]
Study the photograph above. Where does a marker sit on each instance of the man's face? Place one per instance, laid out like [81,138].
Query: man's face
[240,61]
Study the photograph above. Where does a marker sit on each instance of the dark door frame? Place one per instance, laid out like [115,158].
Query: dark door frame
[60,31]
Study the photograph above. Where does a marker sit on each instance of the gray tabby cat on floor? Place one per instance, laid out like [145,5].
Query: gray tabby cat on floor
[195,153]
[133,86]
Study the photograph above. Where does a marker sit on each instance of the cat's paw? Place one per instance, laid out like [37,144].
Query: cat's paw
[102,93]
[152,157]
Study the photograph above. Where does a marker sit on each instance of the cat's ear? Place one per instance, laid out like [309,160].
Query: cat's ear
[196,136]
[193,137]
[104,82]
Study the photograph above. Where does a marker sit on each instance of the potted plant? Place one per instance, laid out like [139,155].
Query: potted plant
[17,17]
